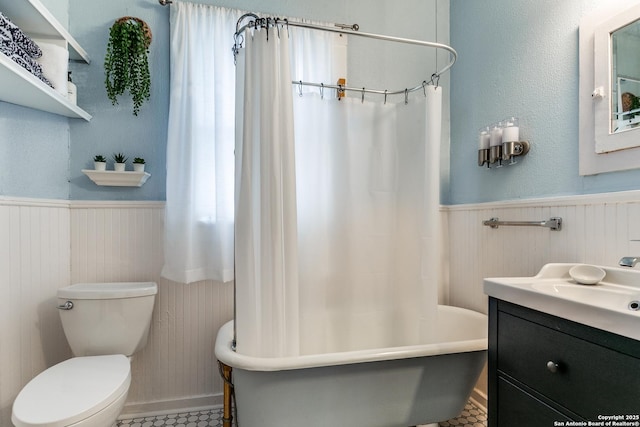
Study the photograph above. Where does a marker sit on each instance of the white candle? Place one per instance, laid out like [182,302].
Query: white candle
[511,130]
[511,134]
[495,136]
[483,140]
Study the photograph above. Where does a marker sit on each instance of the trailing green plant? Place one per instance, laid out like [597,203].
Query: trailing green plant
[138,160]
[126,63]
[120,158]
[99,158]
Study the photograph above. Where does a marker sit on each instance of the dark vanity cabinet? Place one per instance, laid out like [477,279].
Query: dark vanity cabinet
[547,371]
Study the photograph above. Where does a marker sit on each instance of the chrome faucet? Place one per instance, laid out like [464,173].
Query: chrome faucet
[628,261]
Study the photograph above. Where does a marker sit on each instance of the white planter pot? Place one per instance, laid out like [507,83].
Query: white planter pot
[100,166]
[138,167]
[119,167]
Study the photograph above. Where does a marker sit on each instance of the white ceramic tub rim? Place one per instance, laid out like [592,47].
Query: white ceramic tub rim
[226,355]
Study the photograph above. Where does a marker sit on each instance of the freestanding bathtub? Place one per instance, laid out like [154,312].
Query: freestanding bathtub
[386,387]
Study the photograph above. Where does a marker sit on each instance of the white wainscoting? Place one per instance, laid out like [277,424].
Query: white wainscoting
[48,244]
[596,229]
[34,263]
[45,245]
[123,241]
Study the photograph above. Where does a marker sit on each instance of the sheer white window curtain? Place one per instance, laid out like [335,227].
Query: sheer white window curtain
[200,161]
[199,211]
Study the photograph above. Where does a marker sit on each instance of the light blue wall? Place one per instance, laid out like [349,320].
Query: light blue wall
[520,58]
[42,154]
[115,129]
[34,146]
[34,153]
[516,58]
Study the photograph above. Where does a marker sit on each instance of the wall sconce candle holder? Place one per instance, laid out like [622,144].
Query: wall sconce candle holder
[495,155]
[513,149]
[483,157]
[501,142]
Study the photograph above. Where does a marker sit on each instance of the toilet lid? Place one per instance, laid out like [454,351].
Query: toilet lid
[71,391]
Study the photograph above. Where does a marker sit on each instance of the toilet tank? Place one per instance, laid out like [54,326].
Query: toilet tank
[107,318]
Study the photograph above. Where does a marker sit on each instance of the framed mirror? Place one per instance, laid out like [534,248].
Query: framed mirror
[625,98]
[618,78]
[609,96]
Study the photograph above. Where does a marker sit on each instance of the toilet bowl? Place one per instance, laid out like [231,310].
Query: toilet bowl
[105,324]
[82,391]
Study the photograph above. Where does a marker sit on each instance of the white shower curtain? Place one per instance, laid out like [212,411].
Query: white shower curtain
[337,238]
[347,164]
[368,221]
[266,232]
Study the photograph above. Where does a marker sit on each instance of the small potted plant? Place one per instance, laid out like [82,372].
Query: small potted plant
[138,164]
[120,160]
[99,162]
[126,63]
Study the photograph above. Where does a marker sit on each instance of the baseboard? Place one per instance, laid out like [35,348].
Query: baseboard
[162,407]
[479,398]
[202,403]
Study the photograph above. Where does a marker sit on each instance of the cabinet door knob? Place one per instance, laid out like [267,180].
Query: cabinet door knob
[552,366]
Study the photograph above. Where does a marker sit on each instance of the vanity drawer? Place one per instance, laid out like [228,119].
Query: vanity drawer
[590,380]
[517,408]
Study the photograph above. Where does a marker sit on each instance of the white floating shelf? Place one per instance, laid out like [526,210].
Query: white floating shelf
[117,179]
[17,85]
[20,87]
[36,21]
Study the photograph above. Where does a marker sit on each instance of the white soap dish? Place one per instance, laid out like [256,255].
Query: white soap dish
[586,274]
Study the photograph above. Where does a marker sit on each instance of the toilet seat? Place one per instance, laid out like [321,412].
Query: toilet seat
[72,391]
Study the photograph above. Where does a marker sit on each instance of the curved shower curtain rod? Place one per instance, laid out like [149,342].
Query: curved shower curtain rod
[351,30]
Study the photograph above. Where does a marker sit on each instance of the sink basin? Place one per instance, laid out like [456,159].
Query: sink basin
[609,296]
[612,305]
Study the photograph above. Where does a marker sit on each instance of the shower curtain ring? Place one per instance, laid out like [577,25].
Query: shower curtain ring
[300,88]
[267,29]
[435,79]
[385,96]
[406,96]
[362,95]
[321,90]
[424,86]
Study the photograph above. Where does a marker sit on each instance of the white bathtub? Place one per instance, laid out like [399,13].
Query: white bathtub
[386,387]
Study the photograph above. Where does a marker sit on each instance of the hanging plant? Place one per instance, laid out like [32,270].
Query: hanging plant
[126,63]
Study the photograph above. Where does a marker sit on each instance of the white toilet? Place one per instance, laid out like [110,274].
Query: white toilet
[105,323]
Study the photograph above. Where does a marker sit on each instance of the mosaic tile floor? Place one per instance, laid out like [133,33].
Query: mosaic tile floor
[471,416]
